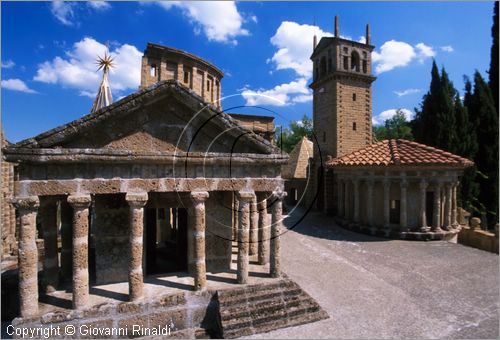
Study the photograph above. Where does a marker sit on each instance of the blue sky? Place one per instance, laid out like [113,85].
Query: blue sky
[48,51]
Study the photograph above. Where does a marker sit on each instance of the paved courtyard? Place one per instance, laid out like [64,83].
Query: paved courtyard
[378,288]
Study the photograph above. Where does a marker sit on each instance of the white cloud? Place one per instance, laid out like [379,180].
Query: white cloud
[8,64]
[294,43]
[67,12]
[424,52]
[98,5]
[219,20]
[254,19]
[447,48]
[63,11]
[388,114]
[16,85]
[407,92]
[395,54]
[293,92]
[77,68]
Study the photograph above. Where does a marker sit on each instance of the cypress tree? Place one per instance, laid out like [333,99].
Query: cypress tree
[482,106]
[437,111]
[493,72]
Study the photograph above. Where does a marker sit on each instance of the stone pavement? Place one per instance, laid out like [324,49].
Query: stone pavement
[379,288]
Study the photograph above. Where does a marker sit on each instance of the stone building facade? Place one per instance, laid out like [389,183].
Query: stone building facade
[7,212]
[167,63]
[161,175]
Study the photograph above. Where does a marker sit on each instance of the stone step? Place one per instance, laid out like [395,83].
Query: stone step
[271,315]
[231,299]
[256,308]
[277,324]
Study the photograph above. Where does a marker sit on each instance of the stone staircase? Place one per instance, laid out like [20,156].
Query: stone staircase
[265,307]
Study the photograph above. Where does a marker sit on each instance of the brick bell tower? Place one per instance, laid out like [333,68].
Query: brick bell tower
[342,105]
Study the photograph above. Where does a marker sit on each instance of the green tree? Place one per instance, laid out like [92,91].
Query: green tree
[289,137]
[493,72]
[394,128]
[482,106]
[437,111]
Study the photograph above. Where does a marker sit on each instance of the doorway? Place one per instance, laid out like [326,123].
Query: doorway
[429,207]
[166,240]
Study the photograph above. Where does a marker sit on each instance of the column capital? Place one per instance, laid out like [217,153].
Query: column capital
[26,203]
[136,199]
[79,201]
[279,194]
[199,196]
[246,195]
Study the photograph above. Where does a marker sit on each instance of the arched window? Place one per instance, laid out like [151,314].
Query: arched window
[354,61]
[322,67]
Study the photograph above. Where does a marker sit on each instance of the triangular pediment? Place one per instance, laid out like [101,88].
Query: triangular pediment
[163,118]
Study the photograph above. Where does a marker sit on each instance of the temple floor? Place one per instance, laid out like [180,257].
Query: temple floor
[379,288]
[156,285]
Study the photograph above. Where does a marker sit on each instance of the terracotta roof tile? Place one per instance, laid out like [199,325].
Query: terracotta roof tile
[399,152]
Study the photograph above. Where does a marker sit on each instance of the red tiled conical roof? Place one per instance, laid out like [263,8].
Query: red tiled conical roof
[399,152]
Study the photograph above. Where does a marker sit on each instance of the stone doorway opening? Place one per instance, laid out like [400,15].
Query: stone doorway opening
[166,242]
[429,206]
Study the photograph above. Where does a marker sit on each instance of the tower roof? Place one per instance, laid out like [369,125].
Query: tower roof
[399,152]
[299,160]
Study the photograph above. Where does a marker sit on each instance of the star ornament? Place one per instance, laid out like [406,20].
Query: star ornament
[105,63]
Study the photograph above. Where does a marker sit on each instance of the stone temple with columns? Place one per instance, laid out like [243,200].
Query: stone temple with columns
[161,183]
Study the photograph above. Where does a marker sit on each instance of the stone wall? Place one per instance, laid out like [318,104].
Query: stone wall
[185,314]
[7,212]
[471,235]
[110,235]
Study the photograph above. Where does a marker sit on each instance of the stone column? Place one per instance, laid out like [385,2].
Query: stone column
[27,255]
[276,225]
[136,201]
[48,212]
[403,212]
[340,204]
[387,191]
[244,197]
[454,221]
[264,230]
[200,272]
[447,206]
[80,204]
[347,199]
[254,227]
[355,183]
[436,223]
[423,202]
[236,213]
[369,202]
[66,241]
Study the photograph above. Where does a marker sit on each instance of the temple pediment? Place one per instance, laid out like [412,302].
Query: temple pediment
[162,119]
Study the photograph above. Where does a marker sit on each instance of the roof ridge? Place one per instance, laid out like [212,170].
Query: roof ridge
[393,146]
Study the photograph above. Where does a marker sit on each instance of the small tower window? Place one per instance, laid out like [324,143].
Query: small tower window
[324,137]
[354,61]
[365,68]
[346,50]
[354,126]
[152,70]
[346,63]
[354,97]
[208,85]
[186,77]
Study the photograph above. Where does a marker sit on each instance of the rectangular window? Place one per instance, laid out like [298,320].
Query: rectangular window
[354,126]
[208,85]
[346,63]
[354,97]
[186,77]
[152,71]
[365,68]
